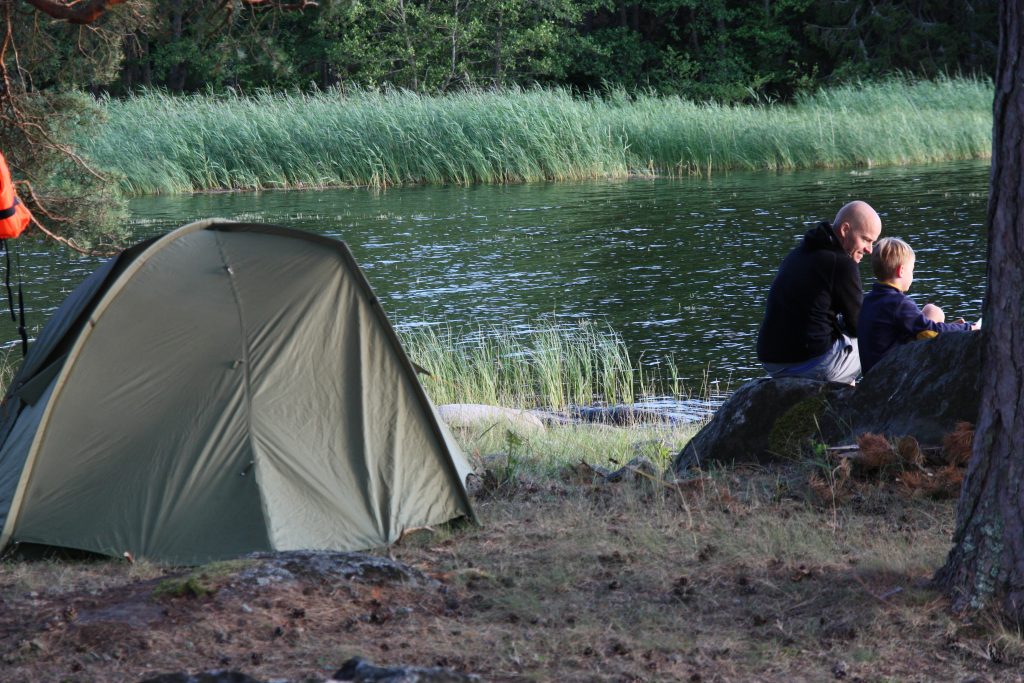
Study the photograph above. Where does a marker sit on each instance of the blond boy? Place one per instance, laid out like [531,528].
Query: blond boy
[888,316]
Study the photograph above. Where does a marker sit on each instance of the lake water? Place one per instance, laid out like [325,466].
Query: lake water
[679,267]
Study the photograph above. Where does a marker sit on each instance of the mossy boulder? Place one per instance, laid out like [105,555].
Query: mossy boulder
[767,420]
[922,389]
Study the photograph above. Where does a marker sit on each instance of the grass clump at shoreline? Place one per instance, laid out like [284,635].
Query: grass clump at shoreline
[516,456]
[157,143]
[543,365]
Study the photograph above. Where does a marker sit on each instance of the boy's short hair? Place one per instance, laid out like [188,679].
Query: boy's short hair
[888,255]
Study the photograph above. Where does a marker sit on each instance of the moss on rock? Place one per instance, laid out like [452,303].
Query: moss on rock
[795,431]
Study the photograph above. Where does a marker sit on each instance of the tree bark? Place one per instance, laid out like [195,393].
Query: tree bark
[177,75]
[985,568]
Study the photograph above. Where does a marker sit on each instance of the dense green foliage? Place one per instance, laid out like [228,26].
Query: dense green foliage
[42,108]
[728,50]
[158,143]
[395,91]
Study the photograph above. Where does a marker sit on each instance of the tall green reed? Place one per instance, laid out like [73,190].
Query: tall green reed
[548,365]
[158,143]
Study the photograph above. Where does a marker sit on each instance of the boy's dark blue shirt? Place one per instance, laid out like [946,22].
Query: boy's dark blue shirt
[889,317]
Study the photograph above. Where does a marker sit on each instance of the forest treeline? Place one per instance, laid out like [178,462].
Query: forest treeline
[726,50]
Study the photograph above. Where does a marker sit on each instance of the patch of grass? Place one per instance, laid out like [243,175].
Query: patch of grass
[544,364]
[10,361]
[157,143]
[186,587]
[60,576]
[547,365]
[200,583]
[546,455]
[721,581]
[725,582]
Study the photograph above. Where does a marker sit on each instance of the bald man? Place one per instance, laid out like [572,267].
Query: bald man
[810,320]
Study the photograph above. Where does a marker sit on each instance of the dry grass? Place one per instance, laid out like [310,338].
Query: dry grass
[901,460]
[739,575]
[736,579]
[958,443]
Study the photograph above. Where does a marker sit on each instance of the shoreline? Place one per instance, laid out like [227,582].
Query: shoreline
[632,176]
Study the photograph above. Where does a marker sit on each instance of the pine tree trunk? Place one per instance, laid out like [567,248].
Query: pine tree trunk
[985,568]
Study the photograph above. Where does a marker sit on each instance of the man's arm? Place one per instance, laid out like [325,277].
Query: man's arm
[848,294]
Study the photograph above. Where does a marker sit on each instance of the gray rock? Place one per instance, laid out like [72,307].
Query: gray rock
[332,565]
[637,469]
[204,677]
[620,415]
[477,414]
[921,389]
[357,669]
[764,420]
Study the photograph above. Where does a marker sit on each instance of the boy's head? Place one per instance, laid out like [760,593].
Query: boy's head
[892,261]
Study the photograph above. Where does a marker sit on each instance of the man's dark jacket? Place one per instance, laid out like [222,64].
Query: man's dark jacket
[816,283]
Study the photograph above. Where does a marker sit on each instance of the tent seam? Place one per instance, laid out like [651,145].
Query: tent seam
[246,376]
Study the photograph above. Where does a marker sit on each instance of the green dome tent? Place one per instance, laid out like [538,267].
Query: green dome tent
[223,389]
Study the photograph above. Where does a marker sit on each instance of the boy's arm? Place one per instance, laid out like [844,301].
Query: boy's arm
[917,326]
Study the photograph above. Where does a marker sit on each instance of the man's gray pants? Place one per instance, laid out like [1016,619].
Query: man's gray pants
[841,363]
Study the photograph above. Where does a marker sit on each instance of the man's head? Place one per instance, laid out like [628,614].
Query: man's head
[857,226]
[893,261]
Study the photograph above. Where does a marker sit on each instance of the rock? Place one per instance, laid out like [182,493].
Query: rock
[204,677]
[329,565]
[637,469]
[474,414]
[475,484]
[620,415]
[764,420]
[357,669]
[921,389]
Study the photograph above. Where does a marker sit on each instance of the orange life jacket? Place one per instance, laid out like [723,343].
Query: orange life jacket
[14,217]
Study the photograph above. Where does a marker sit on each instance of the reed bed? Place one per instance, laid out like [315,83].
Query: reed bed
[157,143]
[546,365]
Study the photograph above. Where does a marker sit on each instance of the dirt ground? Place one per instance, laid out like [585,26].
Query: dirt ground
[738,577]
